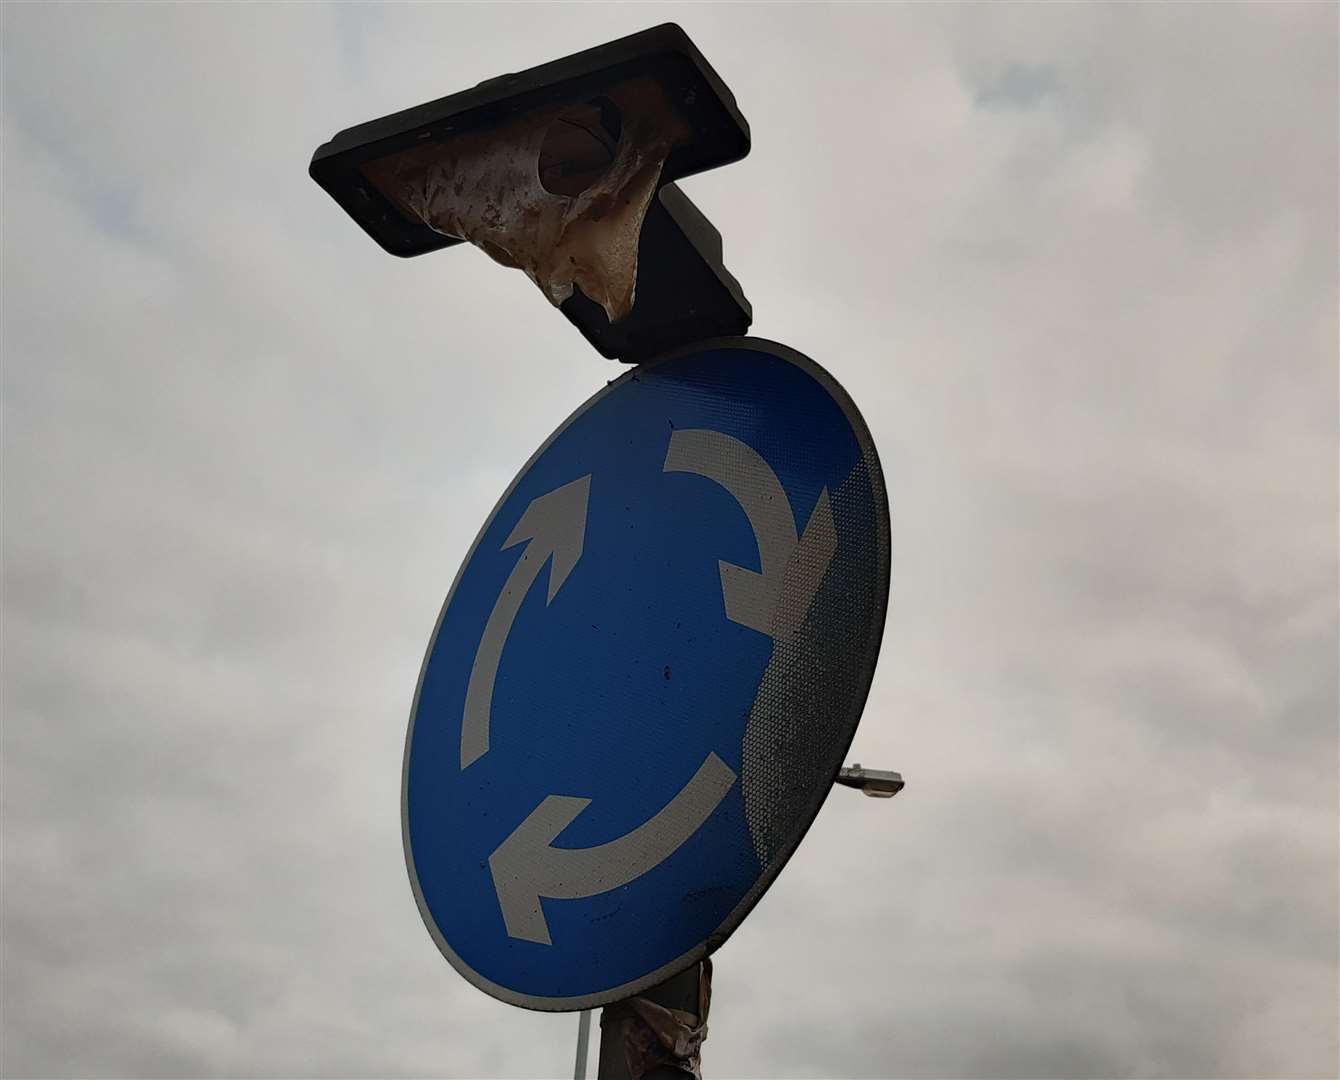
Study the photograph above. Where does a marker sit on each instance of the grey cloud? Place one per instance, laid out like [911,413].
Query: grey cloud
[244,452]
[1019,86]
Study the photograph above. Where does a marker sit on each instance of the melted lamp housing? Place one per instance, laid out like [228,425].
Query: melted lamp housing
[567,172]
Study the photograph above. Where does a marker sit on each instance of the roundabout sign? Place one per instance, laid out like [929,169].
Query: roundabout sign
[646,674]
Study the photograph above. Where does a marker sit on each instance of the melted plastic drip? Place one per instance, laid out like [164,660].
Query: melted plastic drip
[486,187]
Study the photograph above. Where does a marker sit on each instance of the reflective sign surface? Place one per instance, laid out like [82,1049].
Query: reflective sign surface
[646,676]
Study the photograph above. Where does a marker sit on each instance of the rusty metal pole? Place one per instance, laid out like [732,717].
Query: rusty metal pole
[659,1034]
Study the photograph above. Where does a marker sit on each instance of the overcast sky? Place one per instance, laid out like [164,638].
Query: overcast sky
[1078,267]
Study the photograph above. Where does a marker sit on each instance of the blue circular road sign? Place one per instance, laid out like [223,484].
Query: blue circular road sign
[646,676]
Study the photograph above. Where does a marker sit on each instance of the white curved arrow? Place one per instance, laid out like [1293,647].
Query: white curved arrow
[755,598]
[526,866]
[555,524]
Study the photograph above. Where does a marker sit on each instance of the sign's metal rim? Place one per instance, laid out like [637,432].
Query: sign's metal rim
[770,873]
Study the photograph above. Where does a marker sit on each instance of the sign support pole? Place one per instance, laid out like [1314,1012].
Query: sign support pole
[583,1041]
[648,1030]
